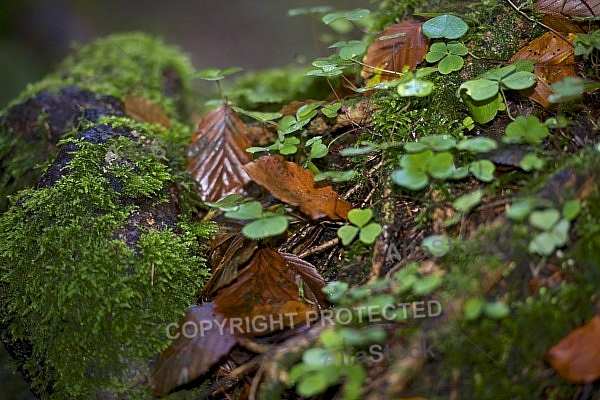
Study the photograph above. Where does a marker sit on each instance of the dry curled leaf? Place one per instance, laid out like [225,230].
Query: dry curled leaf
[570,8]
[294,185]
[577,356]
[144,110]
[401,47]
[195,349]
[554,60]
[217,154]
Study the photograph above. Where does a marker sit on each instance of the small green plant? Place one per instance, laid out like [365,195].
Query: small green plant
[449,56]
[263,223]
[586,43]
[367,232]
[287,144]
[430,158]
[550,225]
[525,129]
[570,89]
[445,27]
[475,307]
[484,96]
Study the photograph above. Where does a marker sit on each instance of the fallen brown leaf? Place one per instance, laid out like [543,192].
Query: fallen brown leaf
[577,356]
[144,110]
[294,185]
[217,154]
[267,288]
[554,60]
[570,8]
[401,47]
[195,350]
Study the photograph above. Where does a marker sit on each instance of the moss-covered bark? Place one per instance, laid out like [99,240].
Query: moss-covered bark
[97,258]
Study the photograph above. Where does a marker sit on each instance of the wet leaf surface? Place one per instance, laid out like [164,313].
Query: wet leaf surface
[294,185]
[398,48]
[218,152]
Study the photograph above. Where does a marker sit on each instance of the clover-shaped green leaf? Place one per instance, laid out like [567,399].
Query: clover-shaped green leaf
[544,219]
[415,87]
[360,217]
[250,210]
[331,110]
[215,74]
[268,225]
[441,165]
[368,234]
[477,145]
[449,54]
[442,142]
[445,26]
[525,129]
[531,161]
[335,176]
[467,202]
[571,209]
[410,179]
[482,170]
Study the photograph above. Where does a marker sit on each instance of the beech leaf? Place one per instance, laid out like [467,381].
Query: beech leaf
[294,185]
[144,110]
[404,49]
[554,60]
[267,287]
[194,351]
[570,8]
[217,154]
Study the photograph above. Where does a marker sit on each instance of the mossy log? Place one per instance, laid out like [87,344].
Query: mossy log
[97,253]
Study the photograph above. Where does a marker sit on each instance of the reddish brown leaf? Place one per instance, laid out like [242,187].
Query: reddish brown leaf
[267,289]
[198,346]
[217,154]
[570,8]
[144,110]
[294,185]
[554,61]
[577,356]
[398,53]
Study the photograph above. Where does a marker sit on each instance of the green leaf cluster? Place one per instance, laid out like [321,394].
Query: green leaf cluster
[477,306]
[263,223]
[587,43]
[431,158]
[367,232]
[483,96]
[525,129]
[550,225]
[449,56]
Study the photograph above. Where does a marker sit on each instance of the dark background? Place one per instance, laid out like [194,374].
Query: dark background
[253,34]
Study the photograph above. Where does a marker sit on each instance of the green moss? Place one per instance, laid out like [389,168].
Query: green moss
[276,87]
[125,63]
[94,309]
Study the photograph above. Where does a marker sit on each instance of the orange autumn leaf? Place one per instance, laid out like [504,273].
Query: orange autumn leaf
[577,356]
[554,60]
[267,289]
[401,47]
[217,154]
[294,185]
[570,8]
[144,110]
